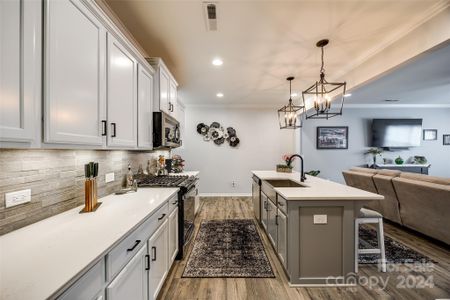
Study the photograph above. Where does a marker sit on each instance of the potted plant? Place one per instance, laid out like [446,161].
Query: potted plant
[285,168]
[374,152]
[399,160]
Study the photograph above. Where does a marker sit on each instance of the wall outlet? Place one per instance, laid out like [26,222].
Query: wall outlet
[16,198]
[233,184]
[320,219]
[109,177]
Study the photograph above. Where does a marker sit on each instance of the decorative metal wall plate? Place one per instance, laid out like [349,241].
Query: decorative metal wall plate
[218,134]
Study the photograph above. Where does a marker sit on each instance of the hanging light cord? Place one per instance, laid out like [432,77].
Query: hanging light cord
[322,70]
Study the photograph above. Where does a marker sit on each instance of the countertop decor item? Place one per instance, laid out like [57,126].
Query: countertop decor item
[289,115]
[399,160]
[430,134]
[421,160]
[90,188]
[285,168]
[314,173]
[218,134]
[330,137]
[323,93]
[374,152]
[177,164]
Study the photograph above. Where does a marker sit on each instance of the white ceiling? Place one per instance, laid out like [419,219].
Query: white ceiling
[424,80]
[263,42]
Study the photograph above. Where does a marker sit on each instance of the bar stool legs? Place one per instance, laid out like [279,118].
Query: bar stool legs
[370,217]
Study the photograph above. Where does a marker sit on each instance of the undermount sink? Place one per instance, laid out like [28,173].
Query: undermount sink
[284,183]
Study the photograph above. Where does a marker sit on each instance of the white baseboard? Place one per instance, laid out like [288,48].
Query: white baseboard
[225,194]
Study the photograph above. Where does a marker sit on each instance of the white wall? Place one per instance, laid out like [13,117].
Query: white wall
[332,162]
[262,144]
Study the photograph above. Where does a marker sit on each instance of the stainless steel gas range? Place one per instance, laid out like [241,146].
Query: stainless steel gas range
[186,202]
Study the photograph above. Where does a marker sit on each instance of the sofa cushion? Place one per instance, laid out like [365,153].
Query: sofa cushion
[424,207]
[364,170]
[389,206]
[426,178]
[392,173]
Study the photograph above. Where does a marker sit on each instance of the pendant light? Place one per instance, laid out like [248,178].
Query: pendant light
[323,93]
[288,115]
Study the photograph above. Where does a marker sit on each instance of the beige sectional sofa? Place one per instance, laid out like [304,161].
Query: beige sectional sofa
[420,202]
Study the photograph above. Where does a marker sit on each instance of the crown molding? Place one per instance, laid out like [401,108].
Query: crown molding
[235,105]
[354,105]
[427,15]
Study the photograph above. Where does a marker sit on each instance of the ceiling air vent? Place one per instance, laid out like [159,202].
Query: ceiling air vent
[210,15]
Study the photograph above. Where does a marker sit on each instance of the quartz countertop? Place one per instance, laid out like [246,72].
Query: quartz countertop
[315,188]
[39,259]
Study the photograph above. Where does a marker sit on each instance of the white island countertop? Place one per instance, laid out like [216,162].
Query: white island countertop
[315,188]
[39,259]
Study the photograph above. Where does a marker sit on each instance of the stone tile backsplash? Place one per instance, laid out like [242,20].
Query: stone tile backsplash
[56,180]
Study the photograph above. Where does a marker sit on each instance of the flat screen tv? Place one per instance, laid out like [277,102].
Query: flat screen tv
[396,133]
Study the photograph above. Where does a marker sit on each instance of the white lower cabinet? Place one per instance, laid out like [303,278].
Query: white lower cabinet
[282,237]
[130,272]
[173,235]
[131,283]
[158,250]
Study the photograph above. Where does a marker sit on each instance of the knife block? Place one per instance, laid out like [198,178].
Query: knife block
[90,196]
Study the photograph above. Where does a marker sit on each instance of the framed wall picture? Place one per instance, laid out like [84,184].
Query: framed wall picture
[329,137]
[430,134]
[446,139]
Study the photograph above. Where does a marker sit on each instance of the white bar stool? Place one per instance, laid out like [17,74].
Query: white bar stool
[368,216]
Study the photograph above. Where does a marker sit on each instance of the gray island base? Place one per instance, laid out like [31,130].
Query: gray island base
[311,225]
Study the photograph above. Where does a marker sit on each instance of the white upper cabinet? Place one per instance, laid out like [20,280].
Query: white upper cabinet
[145,108]
[166,93]
[74,85]
[20,63]
[122,95]
[173,99]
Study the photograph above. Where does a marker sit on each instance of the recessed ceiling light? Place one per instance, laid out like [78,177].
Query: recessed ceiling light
[347,95]
[217,62]
[391,100]
[219,95]
[294,95]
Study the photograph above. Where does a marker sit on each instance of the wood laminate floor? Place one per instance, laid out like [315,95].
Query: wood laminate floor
[176,287]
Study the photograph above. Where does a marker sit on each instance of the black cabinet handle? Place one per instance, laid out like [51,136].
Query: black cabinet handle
[147,262]
[280,204]
[104,127]
[170,105]
[134,246]
[153,253]
[276,220]
[113,127]
[176,202]
[162,217]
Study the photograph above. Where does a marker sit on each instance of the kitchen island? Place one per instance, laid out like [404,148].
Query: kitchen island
[310,225]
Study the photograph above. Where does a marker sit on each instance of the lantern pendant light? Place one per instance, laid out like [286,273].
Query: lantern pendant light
[288,115]
[322,93]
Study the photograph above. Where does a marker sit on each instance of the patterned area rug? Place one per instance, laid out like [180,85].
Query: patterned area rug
[228,248]
[396,252]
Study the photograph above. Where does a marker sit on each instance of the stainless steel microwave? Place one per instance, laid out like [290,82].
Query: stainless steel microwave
[166,131]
